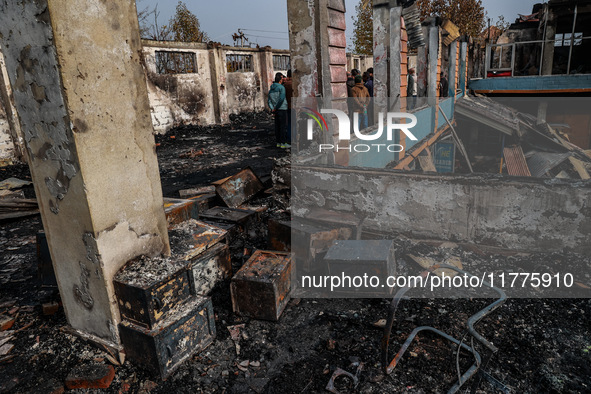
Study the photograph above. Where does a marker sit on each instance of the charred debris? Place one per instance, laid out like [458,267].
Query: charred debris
[216,316]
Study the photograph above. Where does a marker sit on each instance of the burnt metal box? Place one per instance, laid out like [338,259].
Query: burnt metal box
[232,230]
[260,289]
[337,219]
[306,240]
[357,258]
[209,268]
[191,238]
[243,218]
[203,202]
[239,188]
[44,265]
[148,289]
[184,333]
[179,210]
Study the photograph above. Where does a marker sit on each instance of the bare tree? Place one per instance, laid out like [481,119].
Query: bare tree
[149,29]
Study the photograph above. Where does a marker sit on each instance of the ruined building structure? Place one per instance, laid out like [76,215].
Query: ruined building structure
[545,53]
[83,93]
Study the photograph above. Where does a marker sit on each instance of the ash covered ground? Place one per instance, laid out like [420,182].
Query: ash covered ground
[544,344]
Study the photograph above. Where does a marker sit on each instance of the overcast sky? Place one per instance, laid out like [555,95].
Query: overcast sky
[265,21]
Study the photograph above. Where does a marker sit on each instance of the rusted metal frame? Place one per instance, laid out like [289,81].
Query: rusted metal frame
[340,372]
[464,378]
[483,312]
[389,366]
[390,322]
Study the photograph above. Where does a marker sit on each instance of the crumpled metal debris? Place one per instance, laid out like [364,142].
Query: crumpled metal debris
[340,372]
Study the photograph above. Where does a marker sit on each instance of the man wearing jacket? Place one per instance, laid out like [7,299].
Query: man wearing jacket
[277,102]
[360,101]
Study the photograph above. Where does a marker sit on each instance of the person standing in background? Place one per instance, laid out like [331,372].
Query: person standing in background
[368,83]
[350,85]
[278,104]
[287,83]
[360,101]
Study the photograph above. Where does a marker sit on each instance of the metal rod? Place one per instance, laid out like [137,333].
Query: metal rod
[547,10]
[572,39]
[464,378]
[390,366]
[513,50]
[532,42]
[458,141]
[487,55]
[502,154]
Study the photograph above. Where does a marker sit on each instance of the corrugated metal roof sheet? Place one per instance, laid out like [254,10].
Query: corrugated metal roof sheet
[491,113]
[540,163]
[515,161]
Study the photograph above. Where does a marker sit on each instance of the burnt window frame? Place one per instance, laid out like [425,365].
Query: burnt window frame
[239,63]
[186,63]
[564,39]
[279,60]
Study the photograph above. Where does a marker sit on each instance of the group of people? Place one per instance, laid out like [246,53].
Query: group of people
[360,92]
[279,101]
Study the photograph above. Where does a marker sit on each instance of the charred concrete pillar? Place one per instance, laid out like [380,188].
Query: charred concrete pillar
[318,48]
[423,65]
[267,72]
[433,59]
[433,49]
[13,138]
[463,66]
[322,21]
[218,82]
[318,56]
[395,58]
[302,44]
[81,95]
[550,35]
[334,63]
[453,71]
[381,55]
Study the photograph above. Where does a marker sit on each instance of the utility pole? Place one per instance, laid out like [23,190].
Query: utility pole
[240,36]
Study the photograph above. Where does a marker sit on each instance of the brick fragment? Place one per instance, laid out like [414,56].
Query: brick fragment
[6,322]
[50,308]
[90,376]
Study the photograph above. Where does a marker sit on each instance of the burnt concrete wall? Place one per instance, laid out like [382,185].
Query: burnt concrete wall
[360,62]
[179,97]
[518,214]
[210,94]
[244,88]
